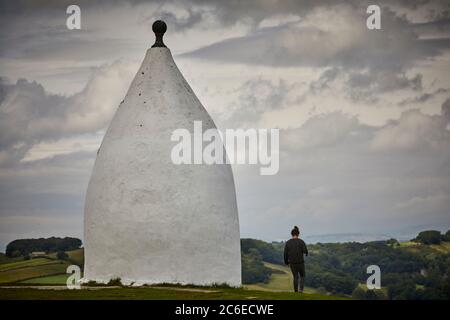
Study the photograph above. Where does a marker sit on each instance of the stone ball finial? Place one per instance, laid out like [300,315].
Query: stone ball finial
[159,27]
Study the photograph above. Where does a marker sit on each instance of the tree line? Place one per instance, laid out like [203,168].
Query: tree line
[24,247]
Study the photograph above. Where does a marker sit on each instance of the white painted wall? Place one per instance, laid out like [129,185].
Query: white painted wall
[146,219]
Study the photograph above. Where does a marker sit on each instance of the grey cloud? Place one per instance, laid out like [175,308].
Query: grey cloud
[325,79]
[2,89]
[29,31]
[414,132]
[33,39]
[331,177]
[255,97]
[328,37]
[326,130]
[29,115]
[384,82]
[44,198]
[446,109]
[191,16]
[254,10]
[19,107]
[231,12]
[369,85]
[423,97]
[435,28]
[260,47]
[336,174]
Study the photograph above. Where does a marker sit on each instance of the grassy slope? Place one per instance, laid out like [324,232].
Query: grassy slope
[384,290]
[38,270]
[25,263]
[59,279]
[14,270]
[427,251]
[444,247]
[15,275]
[76,256]
[5,259]
[280,280]
[168,293]
[43,271]
[283,281]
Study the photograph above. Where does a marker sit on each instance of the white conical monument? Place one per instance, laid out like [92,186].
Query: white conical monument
[148,220]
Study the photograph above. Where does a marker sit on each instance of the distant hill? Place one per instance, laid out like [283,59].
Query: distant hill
[347,237]
[409,270]
[20,265]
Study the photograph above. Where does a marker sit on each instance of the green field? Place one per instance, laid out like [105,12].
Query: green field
[59,279]
[409,244]
[15,275]
[156,293]
[427,251]
[45,277]
[75,256]
[280,280]
[444,247]
[26,263]
[13,270]
[49,274]
[45,270]
[5,259]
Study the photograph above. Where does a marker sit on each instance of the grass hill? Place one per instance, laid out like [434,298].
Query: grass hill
[28,269]
[157,293]
[23,279]
[280,280]
[16,270]
[74,256]
[410,270]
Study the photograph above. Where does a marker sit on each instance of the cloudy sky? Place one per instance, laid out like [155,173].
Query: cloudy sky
[364,115]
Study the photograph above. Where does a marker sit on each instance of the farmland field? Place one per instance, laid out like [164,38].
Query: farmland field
[25,263]
[76,256]
[33,271]
[59,279]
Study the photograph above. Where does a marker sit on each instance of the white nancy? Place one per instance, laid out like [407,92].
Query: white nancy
[148,220]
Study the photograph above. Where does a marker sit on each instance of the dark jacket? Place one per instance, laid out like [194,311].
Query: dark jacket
[294,251]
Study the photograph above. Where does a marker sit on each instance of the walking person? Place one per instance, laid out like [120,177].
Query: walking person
[294,250]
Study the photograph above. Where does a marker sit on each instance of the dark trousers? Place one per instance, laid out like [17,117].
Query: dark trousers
[298,270]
